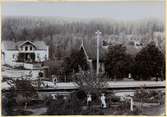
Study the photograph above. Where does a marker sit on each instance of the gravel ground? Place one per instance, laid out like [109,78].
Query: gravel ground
[154,110]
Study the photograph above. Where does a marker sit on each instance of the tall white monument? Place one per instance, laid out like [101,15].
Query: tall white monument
[98,34]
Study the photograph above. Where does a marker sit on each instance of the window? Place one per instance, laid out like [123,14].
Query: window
[38,57]
[45,57]
[26,48]
[30,47]
[13,56]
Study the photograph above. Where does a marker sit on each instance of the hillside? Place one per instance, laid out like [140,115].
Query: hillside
[63,34]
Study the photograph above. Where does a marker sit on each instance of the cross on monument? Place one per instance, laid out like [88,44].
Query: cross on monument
[98,34]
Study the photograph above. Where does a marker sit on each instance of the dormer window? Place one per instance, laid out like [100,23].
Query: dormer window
[30,47]
[26,48]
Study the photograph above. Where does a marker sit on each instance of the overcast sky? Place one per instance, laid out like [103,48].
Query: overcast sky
[115,10]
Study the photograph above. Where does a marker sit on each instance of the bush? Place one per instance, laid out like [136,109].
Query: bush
[136,111]
[148,96]
[8,103]
[56,107]
[69,106]
[81,95]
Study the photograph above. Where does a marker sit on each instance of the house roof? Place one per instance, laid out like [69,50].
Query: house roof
[20,43]
[11,45]
[90,48]
[8,45]
[132,50]
[40,44]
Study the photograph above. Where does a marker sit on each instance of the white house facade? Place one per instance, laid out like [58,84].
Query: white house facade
[24,52]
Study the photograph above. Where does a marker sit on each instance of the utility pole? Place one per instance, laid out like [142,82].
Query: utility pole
[98,34]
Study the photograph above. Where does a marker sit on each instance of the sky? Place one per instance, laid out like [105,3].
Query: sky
[114,10]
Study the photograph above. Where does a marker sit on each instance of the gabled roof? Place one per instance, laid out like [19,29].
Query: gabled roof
[90,48]
[20,43]
[11,45]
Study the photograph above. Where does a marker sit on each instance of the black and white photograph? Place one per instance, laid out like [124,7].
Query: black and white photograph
[83,58]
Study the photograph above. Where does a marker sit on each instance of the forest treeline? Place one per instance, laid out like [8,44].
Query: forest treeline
[62,34]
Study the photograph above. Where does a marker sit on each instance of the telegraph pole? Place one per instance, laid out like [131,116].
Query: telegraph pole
[98,33]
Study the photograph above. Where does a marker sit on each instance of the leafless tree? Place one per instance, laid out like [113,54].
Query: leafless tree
[90,82]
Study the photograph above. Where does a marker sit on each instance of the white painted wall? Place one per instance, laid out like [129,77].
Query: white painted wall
[42,54]
[3,59]
[9,58]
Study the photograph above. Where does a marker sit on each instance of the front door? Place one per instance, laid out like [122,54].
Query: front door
[26,57]
[30,57]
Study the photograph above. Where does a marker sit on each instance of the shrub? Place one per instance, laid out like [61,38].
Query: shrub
[149,96]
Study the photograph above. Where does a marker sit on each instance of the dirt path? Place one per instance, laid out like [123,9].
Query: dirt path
[38,111]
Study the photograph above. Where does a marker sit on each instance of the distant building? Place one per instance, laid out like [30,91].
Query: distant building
[24,51]
[90,51]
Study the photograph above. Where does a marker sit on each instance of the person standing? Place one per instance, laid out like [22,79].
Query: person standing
[89,99]
[103,101]
[131,103]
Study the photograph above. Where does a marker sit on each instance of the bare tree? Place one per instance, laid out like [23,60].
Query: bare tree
[90,82]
